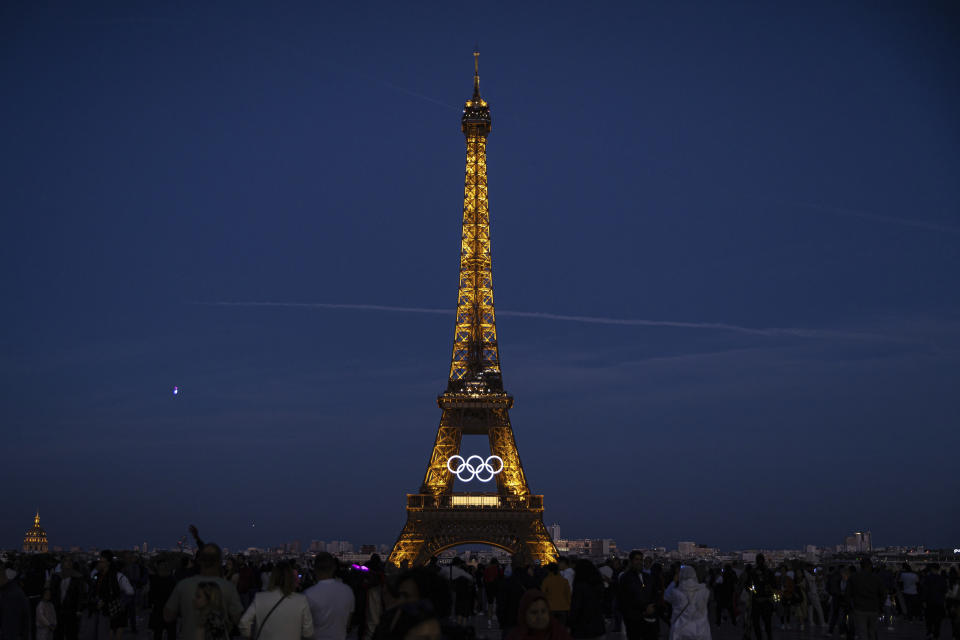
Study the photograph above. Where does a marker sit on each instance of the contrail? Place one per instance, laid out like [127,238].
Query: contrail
[919,224]
[717,326]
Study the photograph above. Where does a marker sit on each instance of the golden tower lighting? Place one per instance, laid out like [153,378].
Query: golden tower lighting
[511,518]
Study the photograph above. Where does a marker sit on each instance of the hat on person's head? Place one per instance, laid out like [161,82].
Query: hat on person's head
[11,574]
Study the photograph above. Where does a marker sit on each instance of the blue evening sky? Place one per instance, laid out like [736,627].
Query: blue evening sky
[757,203]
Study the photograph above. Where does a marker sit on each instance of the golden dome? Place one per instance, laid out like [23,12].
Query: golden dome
[35,539]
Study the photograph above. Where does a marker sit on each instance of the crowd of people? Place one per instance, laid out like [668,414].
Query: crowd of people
[207,596]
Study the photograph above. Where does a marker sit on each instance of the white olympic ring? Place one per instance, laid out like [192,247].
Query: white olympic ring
[475,465]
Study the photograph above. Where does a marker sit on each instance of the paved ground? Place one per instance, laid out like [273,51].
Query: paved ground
[902,631]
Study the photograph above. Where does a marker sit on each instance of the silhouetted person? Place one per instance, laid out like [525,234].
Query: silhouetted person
[586,602]
[866,594]
[69,589]
[723,592]
[161,583]
[181,601]
[934,589]
[14,607]
[509,595]
[761,595]
[637,599]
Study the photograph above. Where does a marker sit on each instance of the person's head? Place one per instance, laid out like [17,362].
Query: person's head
[563,563]
[415,621]
[283,578]
[105,562]
[585,572]
[325,566]
[636,560]
[200,598]
[375,563]
[210,557]
[421,583]
[553,568]
[866,565]
[648,562]
[761,561]
[687,575]
[534,611]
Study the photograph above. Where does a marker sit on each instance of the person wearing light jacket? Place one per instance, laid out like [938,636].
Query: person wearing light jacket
[279,613]
[689,600]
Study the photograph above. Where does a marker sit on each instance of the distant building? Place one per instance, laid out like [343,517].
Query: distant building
[316,546]
[859,542]
[587,547]
[686,549]
[339,546]
[554,530]
[35,540]
[608,547]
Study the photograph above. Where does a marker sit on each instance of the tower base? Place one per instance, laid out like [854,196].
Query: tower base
[472,519]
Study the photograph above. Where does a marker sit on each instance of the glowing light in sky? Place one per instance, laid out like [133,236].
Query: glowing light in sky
[176,391]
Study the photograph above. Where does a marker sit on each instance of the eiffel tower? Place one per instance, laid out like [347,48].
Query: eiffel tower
[511,518]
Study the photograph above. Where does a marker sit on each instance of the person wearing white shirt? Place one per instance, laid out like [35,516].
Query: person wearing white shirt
[331,602]
[566,571]
[280,614]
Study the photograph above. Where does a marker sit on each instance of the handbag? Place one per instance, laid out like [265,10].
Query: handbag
[115,606]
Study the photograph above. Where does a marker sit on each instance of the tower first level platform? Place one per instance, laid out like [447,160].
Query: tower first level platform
[438,523]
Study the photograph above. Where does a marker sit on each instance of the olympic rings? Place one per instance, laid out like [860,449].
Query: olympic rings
[476,467]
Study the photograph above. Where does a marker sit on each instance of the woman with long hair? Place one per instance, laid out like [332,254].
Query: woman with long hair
[212,621]
[279,613]
[586,602]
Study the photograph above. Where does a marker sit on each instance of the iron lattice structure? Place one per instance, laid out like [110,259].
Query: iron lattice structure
[474,402]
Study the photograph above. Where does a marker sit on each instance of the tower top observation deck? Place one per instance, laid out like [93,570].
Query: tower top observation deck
[476,111]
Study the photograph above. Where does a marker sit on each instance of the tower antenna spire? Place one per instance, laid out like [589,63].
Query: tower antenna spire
[476,72]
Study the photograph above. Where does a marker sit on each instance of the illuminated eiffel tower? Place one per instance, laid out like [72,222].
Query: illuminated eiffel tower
[474,404]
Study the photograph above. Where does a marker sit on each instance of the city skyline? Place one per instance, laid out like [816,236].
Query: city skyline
[725,244]
[857,542]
